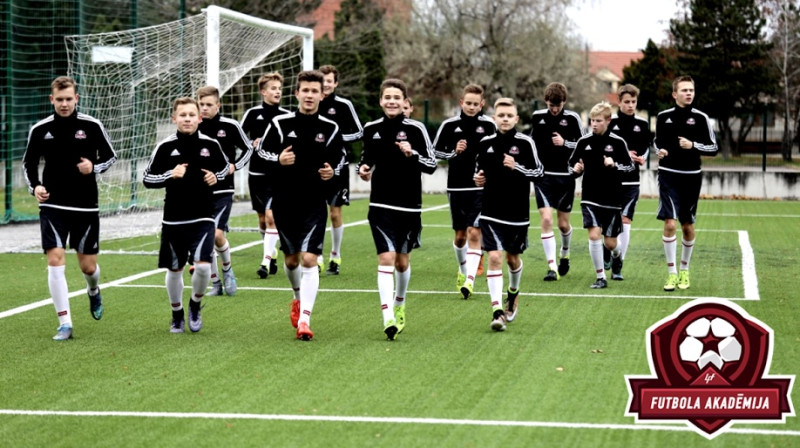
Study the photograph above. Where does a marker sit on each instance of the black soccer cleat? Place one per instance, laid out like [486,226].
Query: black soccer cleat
[333,268]
[551,276]
[616,269]
[273,267]
[600,283]
[606,258]
[563,266]
[262,272]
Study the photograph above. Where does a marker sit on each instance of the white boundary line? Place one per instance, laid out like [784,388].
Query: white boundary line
[384,420]
[749,276]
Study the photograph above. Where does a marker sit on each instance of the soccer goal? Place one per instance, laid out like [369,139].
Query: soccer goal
[129,79]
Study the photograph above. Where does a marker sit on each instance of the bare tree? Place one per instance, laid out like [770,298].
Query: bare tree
[511,47]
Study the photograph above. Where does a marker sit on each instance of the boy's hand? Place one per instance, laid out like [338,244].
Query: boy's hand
[364,173]
[85,167]
[509,161]
[578,168]
[479,178]
[326,172]
[608,161]
[406,148]
[558,140]
[286,157]
[179,171]
[231,169]
[461,146]
[662,153]
[209,178]
[685,143]
[255,142]
[41,193]
[636,158]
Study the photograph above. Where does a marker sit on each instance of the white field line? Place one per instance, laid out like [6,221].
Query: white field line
[119,282]
[748,267]
[421,294]
[385,420]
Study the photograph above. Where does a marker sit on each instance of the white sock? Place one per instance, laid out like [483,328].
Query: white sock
[623,239]
[461,257]
[336,241]
[200,279]
[670,245]
[473,259]
[224,254]
[92,281]
[495,281]
[309,285]
[214,269]
[566,239]
[514,277]
[596,252]
[386,291]
[401,280]
[270,238]
[294,279]
[174,282]
[549,245]
[686,253]
[57,281]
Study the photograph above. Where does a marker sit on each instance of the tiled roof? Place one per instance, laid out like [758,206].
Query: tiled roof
[612,61]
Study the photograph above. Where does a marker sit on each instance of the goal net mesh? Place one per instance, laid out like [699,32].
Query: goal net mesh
[129,79]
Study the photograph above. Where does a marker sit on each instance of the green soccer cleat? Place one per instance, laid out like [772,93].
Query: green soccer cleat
[672,282]
[683,280]
[466,289]
[400,318]
[460,280]
[390,328]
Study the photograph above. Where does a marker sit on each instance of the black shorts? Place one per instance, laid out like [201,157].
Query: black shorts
[80,229]
[301,229]
[186,242]
[678,195]
[498,236]
[222,210]
[337,189]
[608,219]
[394,230]
[465,208]
[556,192]
[630,197]
[260,192]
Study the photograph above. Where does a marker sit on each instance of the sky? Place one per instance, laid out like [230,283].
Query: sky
[605,28]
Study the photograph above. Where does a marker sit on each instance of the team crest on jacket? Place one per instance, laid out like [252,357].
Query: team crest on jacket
[80,135]
[563,122]
[690,121]
[709,364]
[608,148]
[637,128]
[480,130]
[205,152]
[331,111]
[513,151]
[221,133]
[319,138]
[402,136]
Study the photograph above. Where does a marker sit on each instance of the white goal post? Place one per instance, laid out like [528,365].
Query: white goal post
[129,79]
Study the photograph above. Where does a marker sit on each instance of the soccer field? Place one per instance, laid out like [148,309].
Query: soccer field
[556,377]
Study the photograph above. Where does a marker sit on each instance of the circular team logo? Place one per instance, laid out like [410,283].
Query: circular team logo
[513,151]
[205,152]
[221,133]
[690,121]
[608,148]
[480,130]
[710,363]
[80,135]
[331,111]
[563,122]
[401,136]
[636,128]
[319,138]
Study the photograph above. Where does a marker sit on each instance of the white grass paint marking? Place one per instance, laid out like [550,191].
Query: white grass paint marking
[122,281]
[748,267]
[384,420]
[452,293]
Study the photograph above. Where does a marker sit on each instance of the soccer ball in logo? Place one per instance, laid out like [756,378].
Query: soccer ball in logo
[702,335]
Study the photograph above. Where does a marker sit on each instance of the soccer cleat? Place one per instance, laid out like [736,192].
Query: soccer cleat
[273,266]
[672,281]
[96,305]
[600,283]
[511,305]
[606,258]
[195,318]
[563,266]
[551,276]
[64,332]
[216,289]
[616,269]
[683,280]
[262,272]
[391,330]
[294,314]
[303,332]
[480,267]
[230,281]
[400,316]
[177,325]
[333,266]
[466,289]
[460,280]
[498,320]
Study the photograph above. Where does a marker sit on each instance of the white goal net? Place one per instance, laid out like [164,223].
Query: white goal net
[129,79]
